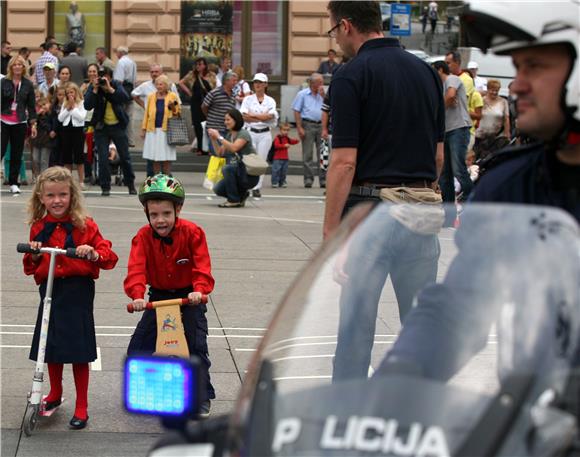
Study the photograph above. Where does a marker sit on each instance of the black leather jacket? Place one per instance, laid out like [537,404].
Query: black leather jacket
[25,101]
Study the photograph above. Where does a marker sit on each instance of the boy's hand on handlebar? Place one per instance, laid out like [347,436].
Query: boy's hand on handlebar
[88,252]
[195,298]
[139,304]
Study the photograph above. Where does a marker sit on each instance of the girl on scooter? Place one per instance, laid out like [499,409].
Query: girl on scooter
[58,219]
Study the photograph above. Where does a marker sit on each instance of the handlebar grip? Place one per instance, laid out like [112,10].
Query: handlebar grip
[204,299]
[130,308]
[72,252]
[24,248]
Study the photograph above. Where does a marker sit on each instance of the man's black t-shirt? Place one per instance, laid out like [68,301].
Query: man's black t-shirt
[389,105]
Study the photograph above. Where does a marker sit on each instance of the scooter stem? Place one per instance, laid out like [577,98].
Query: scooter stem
[36,394]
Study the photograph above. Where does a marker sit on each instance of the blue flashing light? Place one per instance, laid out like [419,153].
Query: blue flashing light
[160,386]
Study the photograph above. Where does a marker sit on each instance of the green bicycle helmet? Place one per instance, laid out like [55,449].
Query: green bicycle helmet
[162,187]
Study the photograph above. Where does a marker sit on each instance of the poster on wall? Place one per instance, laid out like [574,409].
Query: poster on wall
[83,22]
[206,31]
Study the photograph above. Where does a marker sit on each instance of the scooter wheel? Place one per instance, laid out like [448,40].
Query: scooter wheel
[30,420]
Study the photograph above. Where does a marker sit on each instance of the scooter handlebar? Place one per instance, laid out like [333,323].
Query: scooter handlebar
[156,304]
[25,248]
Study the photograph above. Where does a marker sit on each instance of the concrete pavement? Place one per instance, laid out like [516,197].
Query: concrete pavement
[256,253]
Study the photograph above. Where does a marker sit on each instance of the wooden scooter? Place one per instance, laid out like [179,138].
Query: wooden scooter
[170,332]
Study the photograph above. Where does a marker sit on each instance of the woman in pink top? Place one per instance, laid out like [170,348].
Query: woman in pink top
[18,109]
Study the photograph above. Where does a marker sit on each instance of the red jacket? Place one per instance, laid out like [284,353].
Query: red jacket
[281,151]
[184,263]
[66,266]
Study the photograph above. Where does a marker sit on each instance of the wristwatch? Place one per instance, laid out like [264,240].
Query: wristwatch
[221,138]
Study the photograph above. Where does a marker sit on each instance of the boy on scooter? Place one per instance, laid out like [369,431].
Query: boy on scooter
[170,255]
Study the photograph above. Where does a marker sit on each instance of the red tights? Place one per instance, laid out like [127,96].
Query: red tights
[81,375]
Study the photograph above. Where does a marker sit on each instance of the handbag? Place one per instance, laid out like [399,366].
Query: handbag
[177,133]
[255,165]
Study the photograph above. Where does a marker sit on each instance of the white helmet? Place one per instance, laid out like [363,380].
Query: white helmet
[509,25]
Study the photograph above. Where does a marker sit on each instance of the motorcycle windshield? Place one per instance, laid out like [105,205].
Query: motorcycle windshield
[401,335]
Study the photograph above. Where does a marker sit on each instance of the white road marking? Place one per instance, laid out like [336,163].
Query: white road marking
[13,346]
[96,365]
[296,357]
[250,329]
[294,378]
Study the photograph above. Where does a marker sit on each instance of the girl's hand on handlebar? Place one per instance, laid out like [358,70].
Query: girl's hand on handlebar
[88,252]
[139,304]
[195,298]
[36,245]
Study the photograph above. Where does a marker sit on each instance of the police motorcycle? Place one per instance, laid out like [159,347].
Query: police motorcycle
[483,365]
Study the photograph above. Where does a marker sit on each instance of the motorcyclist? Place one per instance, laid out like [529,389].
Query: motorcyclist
[543,43]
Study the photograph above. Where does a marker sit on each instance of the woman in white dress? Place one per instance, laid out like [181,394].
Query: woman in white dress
[161,105]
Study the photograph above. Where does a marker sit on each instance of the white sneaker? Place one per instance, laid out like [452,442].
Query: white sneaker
[14,189]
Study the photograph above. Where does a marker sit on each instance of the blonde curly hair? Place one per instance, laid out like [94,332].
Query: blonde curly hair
[36,210]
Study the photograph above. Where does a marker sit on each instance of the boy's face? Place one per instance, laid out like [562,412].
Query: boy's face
[284,131]
[162,216]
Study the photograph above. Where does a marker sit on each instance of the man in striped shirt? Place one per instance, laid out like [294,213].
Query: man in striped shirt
[49,56]
[217,103]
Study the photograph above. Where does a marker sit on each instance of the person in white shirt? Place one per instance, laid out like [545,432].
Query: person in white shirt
[479,82]
[50,80]
[72,115]
[225,66]
[126,73]
[142,91]
[260,115]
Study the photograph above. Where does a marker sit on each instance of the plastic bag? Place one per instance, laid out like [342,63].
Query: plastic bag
[213,174]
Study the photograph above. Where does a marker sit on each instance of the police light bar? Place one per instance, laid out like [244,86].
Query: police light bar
[161,386]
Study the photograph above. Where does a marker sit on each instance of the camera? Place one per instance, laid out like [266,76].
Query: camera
[102,81]
[101,73]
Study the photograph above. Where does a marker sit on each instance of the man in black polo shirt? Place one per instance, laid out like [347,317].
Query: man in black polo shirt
[388,132]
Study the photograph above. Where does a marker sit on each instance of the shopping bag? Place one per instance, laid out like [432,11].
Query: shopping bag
[213,174]
[177,133]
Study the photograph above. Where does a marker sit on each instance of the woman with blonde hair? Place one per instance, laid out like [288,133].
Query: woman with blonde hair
[494,126]
[161,105]
[72,138]
[18,109]
[242,88]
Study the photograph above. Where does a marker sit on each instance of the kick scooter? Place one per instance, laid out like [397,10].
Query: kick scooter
[170,333]
[35,408]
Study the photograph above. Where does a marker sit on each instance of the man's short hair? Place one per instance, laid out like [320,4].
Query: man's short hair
[4,43]
[228,75]
[123,49]
[156,65]
[101,49]
[455,56]
[331,50]
[364,16]
[49,45]
[441,65]
[314,76]
[107,71]
[71,47]
[23,51]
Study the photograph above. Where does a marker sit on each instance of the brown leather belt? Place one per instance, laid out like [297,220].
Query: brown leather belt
[370,189]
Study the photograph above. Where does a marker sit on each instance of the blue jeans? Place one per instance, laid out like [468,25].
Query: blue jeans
[230,187]
[456,143]
[411,260]
[118,136]
[279,170]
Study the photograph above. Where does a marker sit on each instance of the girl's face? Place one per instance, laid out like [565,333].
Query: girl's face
[92,72]
[71,93]
[64,75]
[60,95]
[55,197]
[229,121]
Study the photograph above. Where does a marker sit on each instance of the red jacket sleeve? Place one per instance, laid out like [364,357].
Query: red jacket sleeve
[29,265]
[107,258]
[135,283]
[202,280]
[278,143]
[293,141]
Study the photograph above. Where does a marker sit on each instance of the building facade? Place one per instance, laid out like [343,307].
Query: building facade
[286,39]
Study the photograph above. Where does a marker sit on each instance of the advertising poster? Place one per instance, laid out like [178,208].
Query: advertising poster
[82,22]
[206,31]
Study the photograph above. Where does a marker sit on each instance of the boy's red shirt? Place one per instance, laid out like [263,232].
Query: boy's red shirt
[281,151]
[66,266]
[184,263]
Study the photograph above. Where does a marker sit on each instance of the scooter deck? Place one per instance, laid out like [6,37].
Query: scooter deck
[170,333]
[43,413]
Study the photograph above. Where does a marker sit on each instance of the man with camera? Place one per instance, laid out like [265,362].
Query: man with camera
[108,99]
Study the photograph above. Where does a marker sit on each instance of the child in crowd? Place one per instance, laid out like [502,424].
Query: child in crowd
[280,163]
[40,146]
[72,139]
[58,98]
[170,255]
[58,218]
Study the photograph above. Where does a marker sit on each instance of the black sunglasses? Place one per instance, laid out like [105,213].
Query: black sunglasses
[331,33]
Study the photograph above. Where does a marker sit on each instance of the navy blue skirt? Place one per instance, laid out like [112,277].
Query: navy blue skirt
[71,327]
